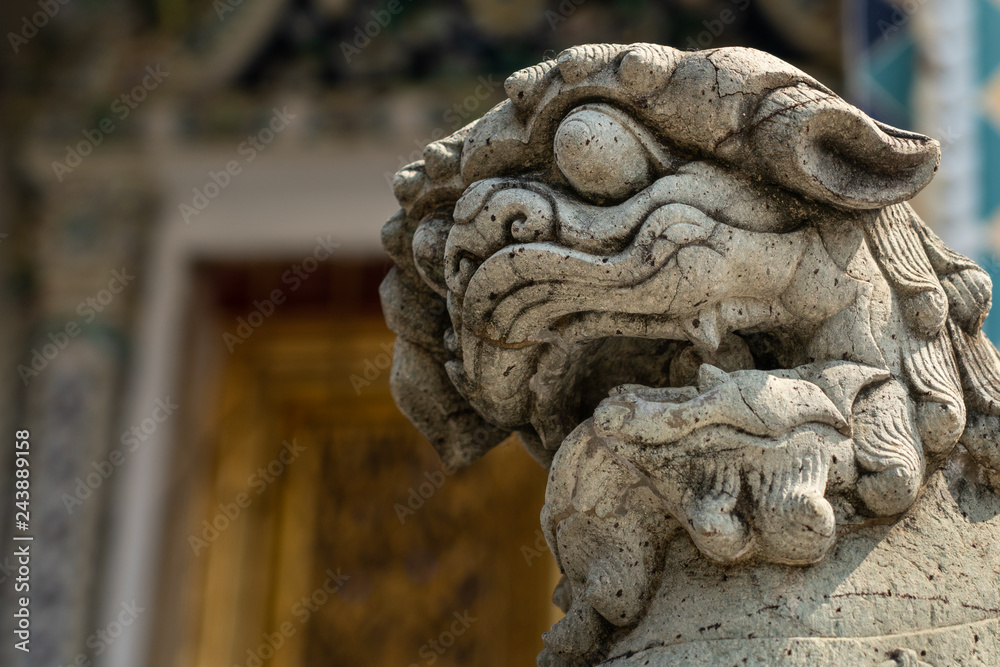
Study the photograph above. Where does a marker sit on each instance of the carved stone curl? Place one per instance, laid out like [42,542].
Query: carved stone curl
[691,283]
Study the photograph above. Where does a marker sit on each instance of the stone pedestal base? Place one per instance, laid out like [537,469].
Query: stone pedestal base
[925,590]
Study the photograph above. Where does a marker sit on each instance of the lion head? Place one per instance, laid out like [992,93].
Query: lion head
[691,283]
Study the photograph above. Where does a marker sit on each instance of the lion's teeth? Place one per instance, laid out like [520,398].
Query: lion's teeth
[703,330]
[710,377]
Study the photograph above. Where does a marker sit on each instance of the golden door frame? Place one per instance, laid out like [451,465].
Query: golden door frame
[357,547]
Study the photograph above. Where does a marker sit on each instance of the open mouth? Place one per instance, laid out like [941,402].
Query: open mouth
[552,309]
[571,384]
[564,380]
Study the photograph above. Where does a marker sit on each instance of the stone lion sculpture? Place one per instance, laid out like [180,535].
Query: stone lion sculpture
[691,283]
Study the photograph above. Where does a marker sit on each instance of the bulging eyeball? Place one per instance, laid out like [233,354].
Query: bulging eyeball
[598,150]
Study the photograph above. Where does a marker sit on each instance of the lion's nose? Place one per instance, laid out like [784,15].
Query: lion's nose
[503,217]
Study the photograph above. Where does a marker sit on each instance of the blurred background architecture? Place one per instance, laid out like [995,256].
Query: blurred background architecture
[190,202]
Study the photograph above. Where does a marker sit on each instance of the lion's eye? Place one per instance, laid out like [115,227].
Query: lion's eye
[603,153]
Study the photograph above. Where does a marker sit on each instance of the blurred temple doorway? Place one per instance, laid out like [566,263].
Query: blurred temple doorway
[349,545]
[309,523]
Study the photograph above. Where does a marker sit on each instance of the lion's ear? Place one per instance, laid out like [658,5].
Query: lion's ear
[811,141]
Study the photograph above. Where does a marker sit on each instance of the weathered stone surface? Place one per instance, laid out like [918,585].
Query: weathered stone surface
[918,583]
[691,283]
